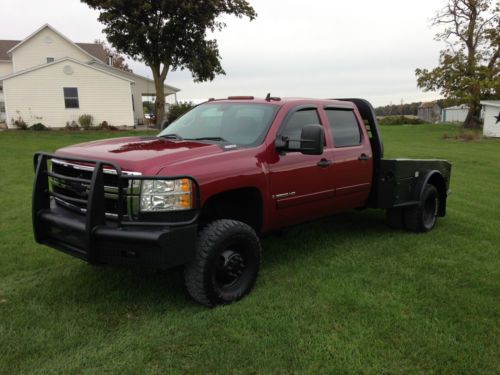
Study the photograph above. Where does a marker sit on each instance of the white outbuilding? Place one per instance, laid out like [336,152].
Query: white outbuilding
[491,126]
[456,113]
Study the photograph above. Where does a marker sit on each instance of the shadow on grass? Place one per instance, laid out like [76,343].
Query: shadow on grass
[114,288]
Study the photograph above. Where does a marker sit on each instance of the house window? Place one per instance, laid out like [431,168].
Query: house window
[50,59]
[2,107]
[71,97]
[345,127]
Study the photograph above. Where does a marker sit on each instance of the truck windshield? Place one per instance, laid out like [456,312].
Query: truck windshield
[244,124]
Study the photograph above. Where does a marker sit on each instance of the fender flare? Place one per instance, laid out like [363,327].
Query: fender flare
[433,177]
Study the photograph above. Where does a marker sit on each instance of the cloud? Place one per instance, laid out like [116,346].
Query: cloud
[319,48]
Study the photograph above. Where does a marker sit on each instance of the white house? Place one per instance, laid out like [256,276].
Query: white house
[491,127]
[48,78]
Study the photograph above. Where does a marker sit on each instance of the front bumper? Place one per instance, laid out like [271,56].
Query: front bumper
[98,240]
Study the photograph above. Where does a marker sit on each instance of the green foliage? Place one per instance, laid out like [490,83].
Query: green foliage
[468,68]
[400,120]
[86,121]
[169,35]
[177,110]
[73,125]
[148,107]
[345,295]
[106,127]
[19,123]
[408,109]
[38,127]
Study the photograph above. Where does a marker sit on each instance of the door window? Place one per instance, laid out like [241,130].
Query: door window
[297,121]
[345,127]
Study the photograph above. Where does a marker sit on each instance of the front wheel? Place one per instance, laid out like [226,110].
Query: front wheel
[226,263]
[422,218]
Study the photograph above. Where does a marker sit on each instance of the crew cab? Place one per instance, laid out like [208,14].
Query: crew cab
[203,191]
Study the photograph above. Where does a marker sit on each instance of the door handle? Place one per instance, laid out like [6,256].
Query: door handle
[323,163]
[363,157]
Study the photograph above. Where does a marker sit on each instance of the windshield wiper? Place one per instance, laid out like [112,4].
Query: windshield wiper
[218,139]
[172,136]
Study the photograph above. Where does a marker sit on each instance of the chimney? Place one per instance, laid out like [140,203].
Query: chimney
[110,60]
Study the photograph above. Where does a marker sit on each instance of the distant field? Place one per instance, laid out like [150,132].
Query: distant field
[344,295]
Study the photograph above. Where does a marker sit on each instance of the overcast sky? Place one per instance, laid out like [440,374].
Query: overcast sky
[314,48]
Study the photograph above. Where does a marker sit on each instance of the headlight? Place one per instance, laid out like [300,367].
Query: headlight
[166,195]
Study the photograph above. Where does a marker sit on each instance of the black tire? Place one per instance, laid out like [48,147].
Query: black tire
[422,218]
[226,263]
[395,218]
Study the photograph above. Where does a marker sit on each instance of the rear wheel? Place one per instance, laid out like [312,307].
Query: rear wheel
[422,218]
[226,263]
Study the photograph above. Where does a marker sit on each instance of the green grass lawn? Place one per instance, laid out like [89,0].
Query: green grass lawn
[344,295]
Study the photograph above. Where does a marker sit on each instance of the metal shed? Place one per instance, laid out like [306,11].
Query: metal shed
[491,126]
[457,113]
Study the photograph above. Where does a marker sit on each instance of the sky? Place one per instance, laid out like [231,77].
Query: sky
[315,48]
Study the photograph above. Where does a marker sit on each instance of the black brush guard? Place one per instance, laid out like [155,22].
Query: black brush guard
[96,239]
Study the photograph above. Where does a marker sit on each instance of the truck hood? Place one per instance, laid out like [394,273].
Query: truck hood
[147,155]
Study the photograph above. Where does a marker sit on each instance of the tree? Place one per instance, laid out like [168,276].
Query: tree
[117,60]
[169,34]
[469,67]
[177,110]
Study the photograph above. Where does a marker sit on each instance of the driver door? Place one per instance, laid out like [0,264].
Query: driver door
[300,187]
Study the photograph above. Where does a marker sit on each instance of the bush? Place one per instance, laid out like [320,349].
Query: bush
[466,135]
[105,126]
[400,120]
[72,125]
[20,123]
[177,110]
[86,121]
[38,127]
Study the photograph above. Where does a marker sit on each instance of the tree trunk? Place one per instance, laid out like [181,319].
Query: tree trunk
[473,121]
[160,103]
[159,76]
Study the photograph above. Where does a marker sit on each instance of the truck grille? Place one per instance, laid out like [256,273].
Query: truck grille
[74,195]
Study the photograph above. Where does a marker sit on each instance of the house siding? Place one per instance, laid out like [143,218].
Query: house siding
[5,68]
[36,50]
[37,96]
[142,86]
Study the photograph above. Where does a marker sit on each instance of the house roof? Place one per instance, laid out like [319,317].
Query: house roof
[92,49]
[428,105]
[6,45]
[457,107]
[492,103]
[132,75]
[43,66]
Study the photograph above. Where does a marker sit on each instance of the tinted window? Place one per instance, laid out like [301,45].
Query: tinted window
[71,97]
[345,127]
[299,119]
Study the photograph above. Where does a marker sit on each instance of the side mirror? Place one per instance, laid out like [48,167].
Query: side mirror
[311,142]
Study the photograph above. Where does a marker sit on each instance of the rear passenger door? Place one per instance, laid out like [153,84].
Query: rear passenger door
[352,159]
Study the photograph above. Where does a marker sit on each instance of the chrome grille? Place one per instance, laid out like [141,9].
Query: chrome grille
[73,194]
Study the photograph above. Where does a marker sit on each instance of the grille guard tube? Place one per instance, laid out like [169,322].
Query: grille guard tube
[95,218]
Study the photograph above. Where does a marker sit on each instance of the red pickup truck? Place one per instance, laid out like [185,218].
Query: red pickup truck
[202,192]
